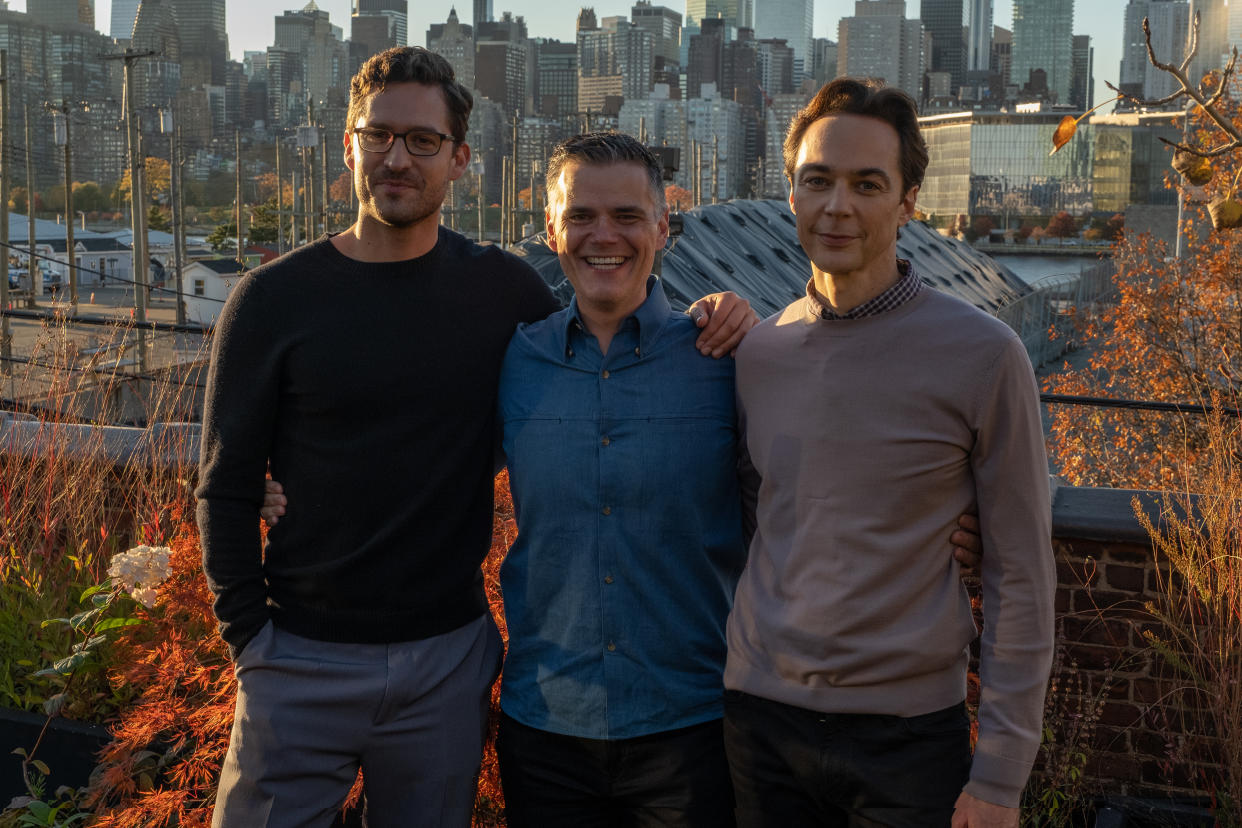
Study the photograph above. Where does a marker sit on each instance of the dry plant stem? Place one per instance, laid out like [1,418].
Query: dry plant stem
[1189,90]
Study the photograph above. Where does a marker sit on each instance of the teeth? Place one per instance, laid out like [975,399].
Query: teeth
[603,261]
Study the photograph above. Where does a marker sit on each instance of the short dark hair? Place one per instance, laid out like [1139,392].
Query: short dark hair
[854,96]
[410,64]
[606,148]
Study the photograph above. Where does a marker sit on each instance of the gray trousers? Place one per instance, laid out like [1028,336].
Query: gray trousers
[412,716]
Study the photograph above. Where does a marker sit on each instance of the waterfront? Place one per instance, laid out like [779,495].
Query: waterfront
[1030,268]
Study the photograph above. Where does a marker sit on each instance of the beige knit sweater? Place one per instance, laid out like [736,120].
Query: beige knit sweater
[870,437]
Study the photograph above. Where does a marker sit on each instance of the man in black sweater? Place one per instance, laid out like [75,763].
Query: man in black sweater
[363,364]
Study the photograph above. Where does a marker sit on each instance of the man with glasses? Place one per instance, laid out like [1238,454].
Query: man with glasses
[363,367]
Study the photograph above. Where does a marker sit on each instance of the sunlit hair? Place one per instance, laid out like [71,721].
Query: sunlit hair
[411,64]
[606,148]
[852,96]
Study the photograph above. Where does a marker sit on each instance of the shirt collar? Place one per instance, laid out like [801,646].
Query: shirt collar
[650,317]
[906,288]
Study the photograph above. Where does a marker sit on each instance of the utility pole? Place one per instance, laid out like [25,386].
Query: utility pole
[280,205]
[136,180]
[478,167]
[6,340]
[504,201]
[323,162]
[512,181]
[32,269]
[61,135]
[715,168]
[293,210]
[241,259]
[174,175]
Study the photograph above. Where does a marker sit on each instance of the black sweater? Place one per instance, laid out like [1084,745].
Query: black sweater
[371,388]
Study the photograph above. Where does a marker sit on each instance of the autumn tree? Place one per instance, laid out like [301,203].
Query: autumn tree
[341,189]
[981,228]
[678,198]
[157,220]
[1062,226]
[158,178]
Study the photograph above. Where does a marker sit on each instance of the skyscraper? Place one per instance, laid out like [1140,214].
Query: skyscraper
[204,41]
[737,14]
[1169,21]
[944,21]
[455,41]
[482,13]
[664,25]
[397,12]
[1082,71]
[978,35]
[121,25]
[791,21]
[1043,38]
[63,12]
[879,42]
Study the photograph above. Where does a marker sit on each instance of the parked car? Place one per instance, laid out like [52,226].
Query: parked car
[17,278]
[51,282]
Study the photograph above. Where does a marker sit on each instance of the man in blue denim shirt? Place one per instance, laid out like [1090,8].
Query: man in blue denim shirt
[621,443]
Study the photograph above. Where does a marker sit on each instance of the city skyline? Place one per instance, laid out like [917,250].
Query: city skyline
[251,25]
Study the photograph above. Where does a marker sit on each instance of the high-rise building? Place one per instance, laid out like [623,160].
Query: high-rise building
[791,21]
[776,67]
[1169,23]
[1043,38]
[204,41]
[945,22]
[703,64]
[1213,36]
[62,12]
[319,72]
[879,42]
[455,41]
[978,35]
[614,63]
[781,111]
[482,12]
[370,34]
[397,12]
[737,14]
[121,26]
[556,78]
[665,27]
[824,65]
[1002,53]
[500,73]
[1082,80]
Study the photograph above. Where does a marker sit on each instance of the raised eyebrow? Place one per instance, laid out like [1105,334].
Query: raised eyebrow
[865,172]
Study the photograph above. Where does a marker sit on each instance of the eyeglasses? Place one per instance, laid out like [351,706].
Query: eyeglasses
[417,142]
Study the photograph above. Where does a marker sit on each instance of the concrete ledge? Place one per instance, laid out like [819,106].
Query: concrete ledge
[162,446]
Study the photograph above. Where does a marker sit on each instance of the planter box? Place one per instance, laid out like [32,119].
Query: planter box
[68,748]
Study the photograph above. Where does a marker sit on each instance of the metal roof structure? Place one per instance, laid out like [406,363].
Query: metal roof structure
[751,248]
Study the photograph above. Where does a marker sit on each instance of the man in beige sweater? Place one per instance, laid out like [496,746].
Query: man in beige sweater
[877,409]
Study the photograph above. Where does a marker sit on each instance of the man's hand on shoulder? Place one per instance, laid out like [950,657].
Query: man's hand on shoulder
[725,318]
[972,812]
[274,502]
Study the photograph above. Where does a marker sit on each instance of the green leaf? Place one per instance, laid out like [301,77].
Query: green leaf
[100,599]
[83,619]
[49,622]
[91,590]
[65,666]
[113,623]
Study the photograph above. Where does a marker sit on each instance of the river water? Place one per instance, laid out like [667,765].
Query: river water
[1032,268]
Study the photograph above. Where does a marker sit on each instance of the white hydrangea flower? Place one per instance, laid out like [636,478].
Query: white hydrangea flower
[140,570]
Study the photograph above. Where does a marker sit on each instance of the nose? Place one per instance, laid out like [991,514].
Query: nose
[837,200]
[398,157]
[604,229]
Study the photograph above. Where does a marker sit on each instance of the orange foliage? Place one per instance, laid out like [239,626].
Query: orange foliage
[164,761]
[1173,334]
[340,189]
[678,198]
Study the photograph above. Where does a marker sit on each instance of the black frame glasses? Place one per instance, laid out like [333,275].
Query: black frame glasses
[419,142]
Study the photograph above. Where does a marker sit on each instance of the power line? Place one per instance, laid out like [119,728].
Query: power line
[117,322]
[25,251]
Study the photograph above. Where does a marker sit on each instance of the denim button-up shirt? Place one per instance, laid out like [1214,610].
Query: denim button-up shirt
[624,479]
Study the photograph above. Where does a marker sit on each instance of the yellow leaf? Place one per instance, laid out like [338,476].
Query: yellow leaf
[1065,131]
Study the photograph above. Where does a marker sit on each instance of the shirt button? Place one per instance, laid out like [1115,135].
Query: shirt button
[608,579]
[612,648]
[636,352]
[607,510]
[605,441]
[605,374]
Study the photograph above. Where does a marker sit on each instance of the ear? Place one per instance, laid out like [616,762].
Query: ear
[549,225]
[662,224]
[907,204]
[461,160]
[791,195]
[348,142]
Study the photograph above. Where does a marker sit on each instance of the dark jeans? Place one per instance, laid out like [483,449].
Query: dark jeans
[675,778]
[797,768]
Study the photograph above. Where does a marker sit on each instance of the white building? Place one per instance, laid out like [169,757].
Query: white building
[207,284]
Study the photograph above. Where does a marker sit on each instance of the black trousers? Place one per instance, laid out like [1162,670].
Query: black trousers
[798,768]
[677,778]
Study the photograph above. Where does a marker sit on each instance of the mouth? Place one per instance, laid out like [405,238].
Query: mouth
[605,262]
[835,239]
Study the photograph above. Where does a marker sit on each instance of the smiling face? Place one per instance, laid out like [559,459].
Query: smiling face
[848,199]
[605,226]
[396,189]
